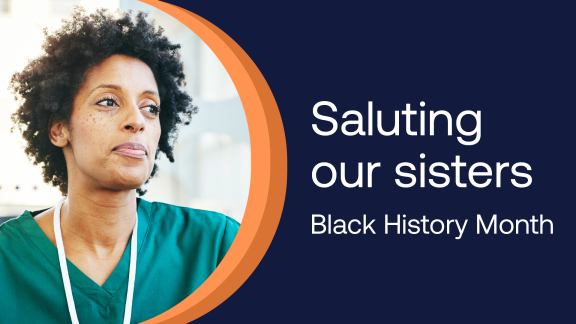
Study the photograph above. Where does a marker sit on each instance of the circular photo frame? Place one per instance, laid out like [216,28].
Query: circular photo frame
[268,178]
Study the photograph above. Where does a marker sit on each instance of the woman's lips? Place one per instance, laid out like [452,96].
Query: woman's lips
[131,149]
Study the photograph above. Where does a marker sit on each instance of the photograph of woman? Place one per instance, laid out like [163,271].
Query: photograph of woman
[96,110]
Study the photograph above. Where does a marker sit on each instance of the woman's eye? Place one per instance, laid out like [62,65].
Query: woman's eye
[107,103]
[152,109]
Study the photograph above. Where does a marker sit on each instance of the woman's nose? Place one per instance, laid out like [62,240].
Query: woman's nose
[134,121]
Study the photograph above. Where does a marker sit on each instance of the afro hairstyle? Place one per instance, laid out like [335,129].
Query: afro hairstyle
[46,88]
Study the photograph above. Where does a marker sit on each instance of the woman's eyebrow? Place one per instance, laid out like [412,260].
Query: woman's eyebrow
[110,86]
[117,87]
[151,92]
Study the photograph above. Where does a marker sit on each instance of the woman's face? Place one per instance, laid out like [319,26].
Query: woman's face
[115,127]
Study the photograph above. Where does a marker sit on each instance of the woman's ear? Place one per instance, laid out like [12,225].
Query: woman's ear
[59,134]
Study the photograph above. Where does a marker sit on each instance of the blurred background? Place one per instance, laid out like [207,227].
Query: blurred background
[212,168]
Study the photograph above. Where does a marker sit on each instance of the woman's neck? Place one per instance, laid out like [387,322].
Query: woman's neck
[100,223]
[96,229]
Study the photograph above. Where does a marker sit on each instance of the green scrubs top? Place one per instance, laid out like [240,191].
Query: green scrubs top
[178,248]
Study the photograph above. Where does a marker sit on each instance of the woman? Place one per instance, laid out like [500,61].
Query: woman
[97,109]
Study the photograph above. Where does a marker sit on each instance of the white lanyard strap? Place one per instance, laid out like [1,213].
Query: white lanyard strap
[66,277]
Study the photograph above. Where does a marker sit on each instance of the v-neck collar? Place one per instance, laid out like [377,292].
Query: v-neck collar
[102,295]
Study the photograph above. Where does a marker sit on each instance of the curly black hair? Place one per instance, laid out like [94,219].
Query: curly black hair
[47,86]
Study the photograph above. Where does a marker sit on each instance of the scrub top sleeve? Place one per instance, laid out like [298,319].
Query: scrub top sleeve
[228,237]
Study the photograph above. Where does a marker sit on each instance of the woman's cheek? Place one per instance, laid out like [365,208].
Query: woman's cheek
[157,132]
[94,129]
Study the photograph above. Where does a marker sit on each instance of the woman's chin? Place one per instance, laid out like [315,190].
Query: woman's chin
[126,181]
[123,186]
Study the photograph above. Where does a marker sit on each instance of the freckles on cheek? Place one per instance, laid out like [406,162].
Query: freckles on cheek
[94,130]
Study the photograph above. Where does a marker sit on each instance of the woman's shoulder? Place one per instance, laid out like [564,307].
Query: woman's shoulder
[180,218]
[7,230]
[18,225]
[201,233]
[11,227]
[12,232]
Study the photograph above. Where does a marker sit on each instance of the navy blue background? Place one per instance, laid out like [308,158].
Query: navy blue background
[515,63]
